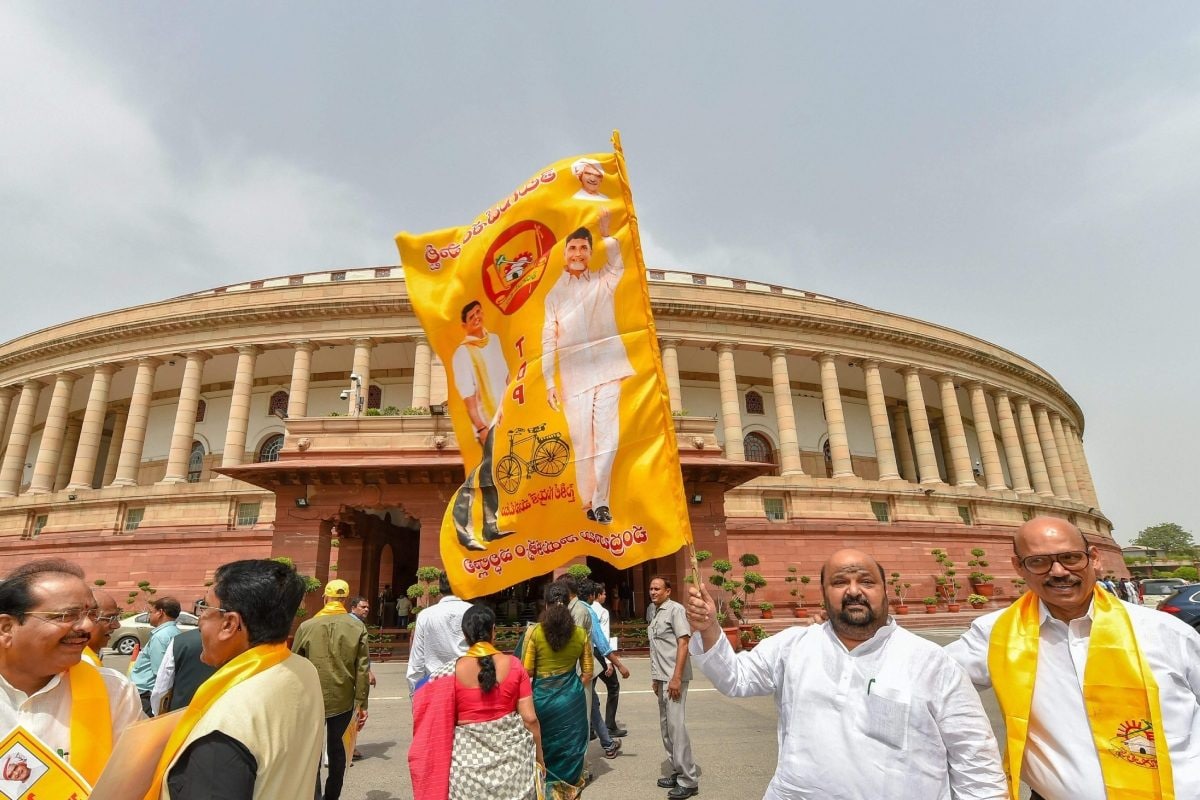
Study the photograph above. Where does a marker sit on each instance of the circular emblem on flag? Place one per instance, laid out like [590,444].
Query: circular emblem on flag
[515,263]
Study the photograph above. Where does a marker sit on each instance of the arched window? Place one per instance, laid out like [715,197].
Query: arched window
[196,462]
[279,404]
[758,448]
[374,397]
[201,410]
[754,402]
[269,451]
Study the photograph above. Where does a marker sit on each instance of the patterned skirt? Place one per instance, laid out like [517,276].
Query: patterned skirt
[495,760]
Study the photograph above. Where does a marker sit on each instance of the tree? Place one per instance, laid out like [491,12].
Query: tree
[1168,537]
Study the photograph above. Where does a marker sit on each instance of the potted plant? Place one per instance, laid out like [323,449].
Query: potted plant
[740,591]
[977,600]
[947,583]
[799,582]
[930,604]
[899,588]
[767,610]
[981,582]
[724,585]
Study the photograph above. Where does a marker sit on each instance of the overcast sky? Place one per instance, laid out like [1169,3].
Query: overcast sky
[1024,172]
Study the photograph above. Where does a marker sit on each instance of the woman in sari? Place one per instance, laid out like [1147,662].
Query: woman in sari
[552,649]
[475,733]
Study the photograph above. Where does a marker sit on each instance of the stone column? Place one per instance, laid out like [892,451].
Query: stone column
[120,417]
[904,450]
[835,420]
[422,368]
[301,375]
[1012,443]
[956,435]
[922,438]
[731,405]
[439,386]
[13,469]
[989,454]
[45,469]
[184,430]
[1058,479]
[234,452]
[7,393]
[1066,456]
[785,413]
[135,424]
[1033,449]
[66,457]
[1086,485]
[93,428]
[362,368]
[670,360]
[885,455]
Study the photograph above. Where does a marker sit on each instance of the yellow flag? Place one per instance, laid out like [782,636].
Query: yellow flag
[541,313]
[29,769]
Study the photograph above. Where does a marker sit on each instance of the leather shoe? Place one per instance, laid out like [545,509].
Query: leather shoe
[680,792]
[603,515]
[470,542]
[492,534]
[669,783]
[617,733]
[591,515]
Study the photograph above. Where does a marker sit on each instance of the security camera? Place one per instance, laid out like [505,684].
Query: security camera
[355,377]
[345,395]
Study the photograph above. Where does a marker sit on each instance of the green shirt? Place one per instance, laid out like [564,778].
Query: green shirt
[337,646]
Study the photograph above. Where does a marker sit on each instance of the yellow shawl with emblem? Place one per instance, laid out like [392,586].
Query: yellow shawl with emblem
[1119,693]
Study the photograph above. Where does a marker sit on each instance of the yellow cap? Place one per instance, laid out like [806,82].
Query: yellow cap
[337,588]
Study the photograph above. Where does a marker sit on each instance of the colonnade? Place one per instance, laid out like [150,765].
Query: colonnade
[1042,449]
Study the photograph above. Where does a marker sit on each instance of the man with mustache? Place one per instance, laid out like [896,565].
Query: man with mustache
[46,619]
[866,708]
[1101,698]
[108,621]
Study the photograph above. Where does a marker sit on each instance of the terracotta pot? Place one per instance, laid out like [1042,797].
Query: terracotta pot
[978,605]
[800,613]
[769,614]
[953,608]
[985,589]
[930,609]
[733,635]
[901,609]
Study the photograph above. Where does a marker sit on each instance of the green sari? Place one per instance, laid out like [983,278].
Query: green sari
[561,704]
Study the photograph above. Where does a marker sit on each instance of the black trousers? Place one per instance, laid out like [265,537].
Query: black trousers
[481,475]
[335,729]
[613,683]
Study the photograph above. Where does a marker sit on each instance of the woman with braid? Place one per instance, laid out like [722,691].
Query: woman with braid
[551,651]
[475,731]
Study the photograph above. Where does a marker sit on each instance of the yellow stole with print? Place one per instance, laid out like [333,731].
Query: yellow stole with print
[89,655]
[246,665]
[331,608]
[1119,693]
[91,721]
[482,385]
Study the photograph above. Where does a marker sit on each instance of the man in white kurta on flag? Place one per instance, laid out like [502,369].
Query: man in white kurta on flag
[866,709]
[580,337]
[480,378]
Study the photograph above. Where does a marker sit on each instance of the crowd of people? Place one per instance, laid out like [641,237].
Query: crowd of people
[1100,697]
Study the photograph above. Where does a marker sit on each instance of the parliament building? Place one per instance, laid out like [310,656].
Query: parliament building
[304,416]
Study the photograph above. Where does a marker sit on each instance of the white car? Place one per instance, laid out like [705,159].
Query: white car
[1155,590]
[135,631]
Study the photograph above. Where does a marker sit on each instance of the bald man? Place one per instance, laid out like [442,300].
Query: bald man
[866,709]
[1090,686]
[108,621]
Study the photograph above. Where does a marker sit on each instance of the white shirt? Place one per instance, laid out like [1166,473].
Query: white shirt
[581,327]
[1060,755]
[465,379]
[164,681]
[602,613]
[893,718]
[437,638]
[47,712]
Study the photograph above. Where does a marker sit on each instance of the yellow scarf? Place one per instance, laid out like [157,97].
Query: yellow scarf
[331,607]
[91,721]
[246,665]
[482,650]
[89,655]
[1119,693]
[482,384]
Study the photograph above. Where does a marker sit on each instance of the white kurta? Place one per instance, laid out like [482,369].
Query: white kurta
[893,718]
[466,379]
[1060,755]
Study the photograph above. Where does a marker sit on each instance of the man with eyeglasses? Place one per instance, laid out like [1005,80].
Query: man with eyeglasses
[108,621]
[1101,698]
[254,729]
[47,616]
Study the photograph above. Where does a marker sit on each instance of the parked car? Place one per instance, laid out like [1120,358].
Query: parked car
[1184,604]
[1155,590]
[135,631]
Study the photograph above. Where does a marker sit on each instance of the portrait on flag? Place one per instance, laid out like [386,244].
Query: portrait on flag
[541,311]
